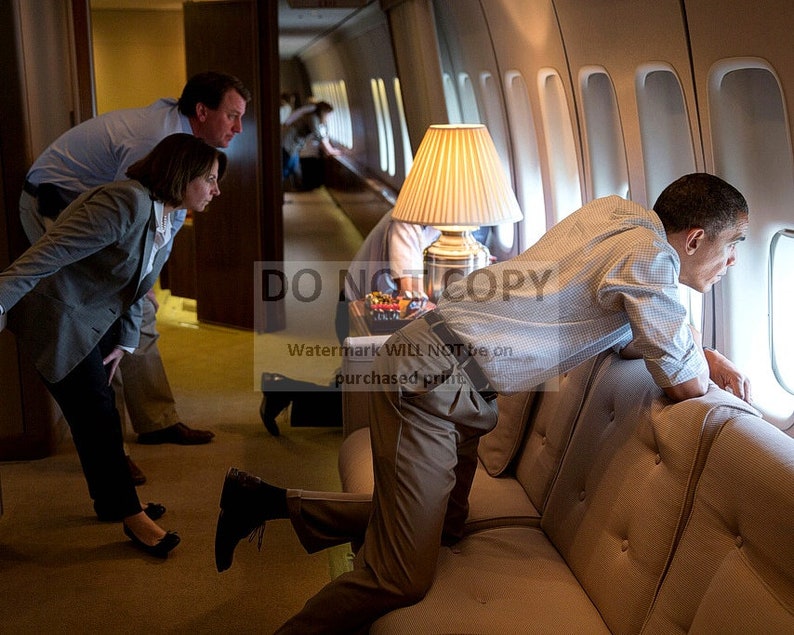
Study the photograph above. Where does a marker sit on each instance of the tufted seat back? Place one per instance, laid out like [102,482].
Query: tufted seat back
[733,570]
[617,517]
[557,406]
[615,510]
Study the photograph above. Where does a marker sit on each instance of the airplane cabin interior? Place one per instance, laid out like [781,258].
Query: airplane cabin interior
[598,504]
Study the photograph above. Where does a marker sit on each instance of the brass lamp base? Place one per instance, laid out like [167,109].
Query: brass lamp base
[454,255]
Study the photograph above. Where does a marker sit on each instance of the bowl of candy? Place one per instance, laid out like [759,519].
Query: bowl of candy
[386,313]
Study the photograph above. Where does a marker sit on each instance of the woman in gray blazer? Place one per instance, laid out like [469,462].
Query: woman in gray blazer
[74,302]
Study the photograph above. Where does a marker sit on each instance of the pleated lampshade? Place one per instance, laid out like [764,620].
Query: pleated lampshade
[457,179]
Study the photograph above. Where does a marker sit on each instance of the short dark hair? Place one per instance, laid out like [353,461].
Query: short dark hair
[322,107]
[173,163]
[209,88]
[700,200]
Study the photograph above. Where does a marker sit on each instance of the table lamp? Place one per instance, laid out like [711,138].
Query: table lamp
[456,184]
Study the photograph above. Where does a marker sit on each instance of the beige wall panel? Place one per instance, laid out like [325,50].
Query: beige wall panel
[139,57]
[622,35]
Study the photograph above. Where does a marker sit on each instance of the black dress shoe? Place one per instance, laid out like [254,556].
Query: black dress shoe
[159,550]
[179,434]
[155,511]
[138,477]
[246,504]
[277,394]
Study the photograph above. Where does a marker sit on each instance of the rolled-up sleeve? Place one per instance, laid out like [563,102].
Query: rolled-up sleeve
[645,285]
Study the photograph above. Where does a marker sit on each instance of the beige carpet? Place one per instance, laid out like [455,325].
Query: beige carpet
[61,571]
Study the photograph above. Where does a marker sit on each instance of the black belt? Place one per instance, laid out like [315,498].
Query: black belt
[461,353]
[52,199]
[31,189]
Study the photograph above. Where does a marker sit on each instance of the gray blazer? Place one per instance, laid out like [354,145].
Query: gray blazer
[86,272]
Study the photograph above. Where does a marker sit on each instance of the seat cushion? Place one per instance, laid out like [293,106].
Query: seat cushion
[498,501]
[492,501]
[505,580]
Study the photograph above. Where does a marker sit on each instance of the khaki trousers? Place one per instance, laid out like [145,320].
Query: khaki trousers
[424,446]
[142,386]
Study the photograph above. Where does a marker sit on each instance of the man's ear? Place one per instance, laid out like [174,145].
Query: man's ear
[201,111]
[694,238]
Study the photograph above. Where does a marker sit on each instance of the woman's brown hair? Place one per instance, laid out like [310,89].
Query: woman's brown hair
[173,163]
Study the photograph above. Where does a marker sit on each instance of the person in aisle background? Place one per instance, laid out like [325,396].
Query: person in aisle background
[99,151]
[74,303]
[309,121]
[286,106]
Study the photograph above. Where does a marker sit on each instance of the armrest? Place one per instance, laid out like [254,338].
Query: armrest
[356,366]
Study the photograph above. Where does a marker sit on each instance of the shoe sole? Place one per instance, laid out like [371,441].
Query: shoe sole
[231,475]
[270,426]
[222,561]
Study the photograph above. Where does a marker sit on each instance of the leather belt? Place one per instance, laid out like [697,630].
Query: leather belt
[31,189]
[52,199]
[461,353]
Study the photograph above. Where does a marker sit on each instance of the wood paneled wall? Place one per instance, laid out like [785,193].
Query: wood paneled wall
[244,225]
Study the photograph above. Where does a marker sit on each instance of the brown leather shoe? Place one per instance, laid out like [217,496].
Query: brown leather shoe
[178,433]
[138,477]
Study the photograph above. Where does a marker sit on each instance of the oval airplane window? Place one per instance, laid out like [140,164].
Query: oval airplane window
[526,159]
[503,236]
[603,134]
[451,97]
[667,149]
[468,100]
[665,134]
[408,155]
[751,146]
[781,307]
[561,154]
[380,120]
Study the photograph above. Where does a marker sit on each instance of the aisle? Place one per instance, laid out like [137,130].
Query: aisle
[321,241]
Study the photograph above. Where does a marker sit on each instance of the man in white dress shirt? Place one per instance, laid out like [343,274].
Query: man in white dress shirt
[99,151]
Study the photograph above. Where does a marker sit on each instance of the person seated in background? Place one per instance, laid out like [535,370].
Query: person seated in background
[309,121]
[390,260]
[74,301]
[99,151]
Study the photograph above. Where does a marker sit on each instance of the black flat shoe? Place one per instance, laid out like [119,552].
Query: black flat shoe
[155,511]
[271,406]
[246,504]
[161,549]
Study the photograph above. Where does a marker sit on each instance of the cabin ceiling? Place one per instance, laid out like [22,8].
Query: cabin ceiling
[300,22]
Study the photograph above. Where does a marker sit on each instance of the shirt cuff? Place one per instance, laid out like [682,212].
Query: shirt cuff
[126,349]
